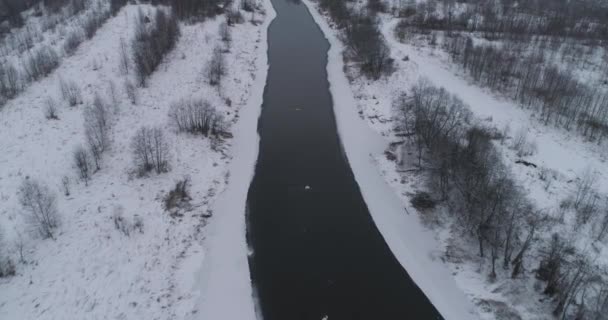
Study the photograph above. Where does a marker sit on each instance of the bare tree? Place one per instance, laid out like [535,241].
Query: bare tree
[150,150]
[40,207]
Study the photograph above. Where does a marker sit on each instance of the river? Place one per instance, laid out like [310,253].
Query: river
[316,251]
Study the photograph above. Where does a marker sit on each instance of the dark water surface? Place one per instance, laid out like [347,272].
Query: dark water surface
[317,251]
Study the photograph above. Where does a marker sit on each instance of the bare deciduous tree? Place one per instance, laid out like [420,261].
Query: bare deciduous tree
[150,150]
[81,162]
[40,207]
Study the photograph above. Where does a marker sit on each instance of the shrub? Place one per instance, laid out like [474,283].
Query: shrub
[41,63]
[178,196]
[196,116]
[40,207]
[70,92]
[50,111]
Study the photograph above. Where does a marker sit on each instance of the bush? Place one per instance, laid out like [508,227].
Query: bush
[40,207]
[124,225]
[150,150]
[179,196]
[70,92]
[197,117]
[41,63]
[151,43]
[50,111]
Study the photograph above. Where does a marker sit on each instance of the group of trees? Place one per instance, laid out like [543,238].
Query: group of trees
[153,39]
[38,62]
[364,41]
[97,124]
[556,94]
[508,18]
[466,170]
[195,9]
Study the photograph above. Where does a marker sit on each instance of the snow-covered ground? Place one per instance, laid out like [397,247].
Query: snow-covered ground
[429,246]
[91,270]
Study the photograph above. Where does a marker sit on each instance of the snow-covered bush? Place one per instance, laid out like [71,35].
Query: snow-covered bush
[40,63]
[125,225]
[196,116]
[70,91]
[40,208]
[150,150]
[178,195]
[522,144]
[50,111]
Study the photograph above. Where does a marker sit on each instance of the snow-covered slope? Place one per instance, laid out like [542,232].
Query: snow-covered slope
[92,271]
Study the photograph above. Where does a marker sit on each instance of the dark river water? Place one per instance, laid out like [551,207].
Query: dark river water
[316,249]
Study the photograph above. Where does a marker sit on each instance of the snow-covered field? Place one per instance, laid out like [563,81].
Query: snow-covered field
[422,242]
[92,270]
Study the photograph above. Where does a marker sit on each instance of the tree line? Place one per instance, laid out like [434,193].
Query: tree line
[466,172]
[364,41]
